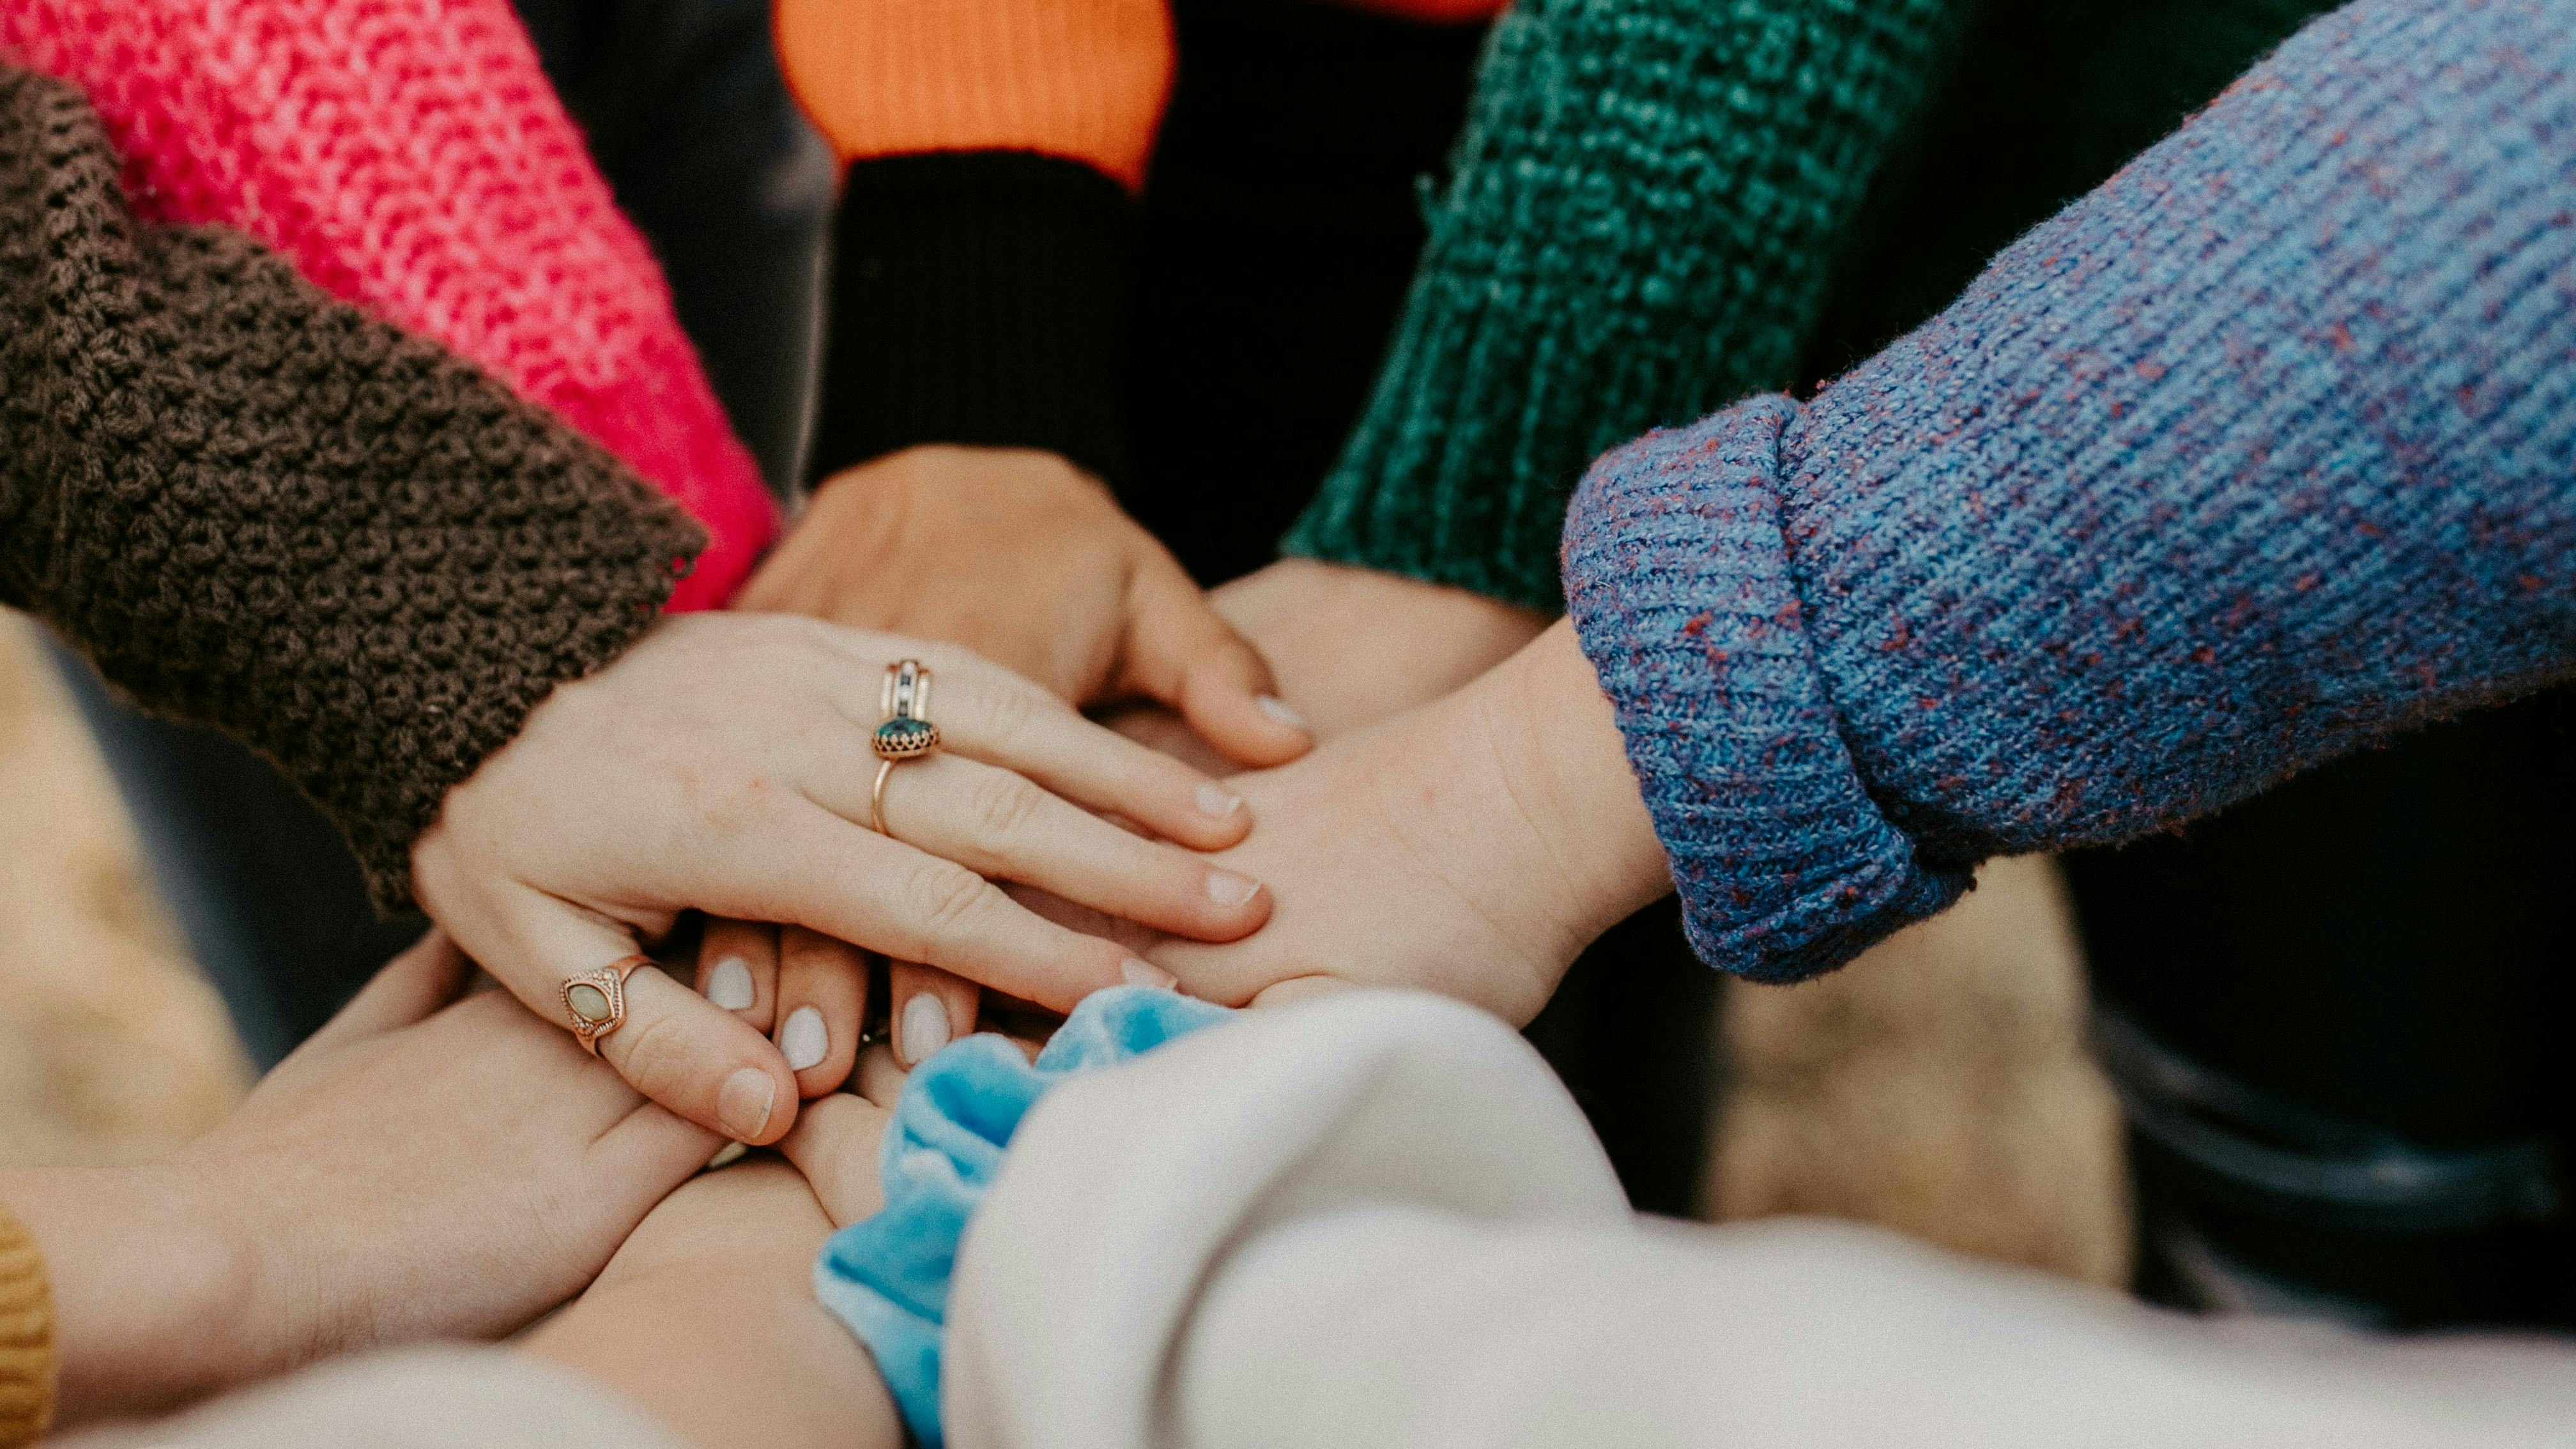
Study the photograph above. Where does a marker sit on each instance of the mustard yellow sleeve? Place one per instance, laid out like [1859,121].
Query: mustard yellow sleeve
[26,1337]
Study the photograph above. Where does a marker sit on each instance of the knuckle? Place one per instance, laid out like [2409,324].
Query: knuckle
[944,896]
[1004,716]
[658,1058]
[1003,805]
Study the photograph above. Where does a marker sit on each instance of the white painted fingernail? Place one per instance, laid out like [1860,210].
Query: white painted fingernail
[1228,889]
[742,1106]
[1145,973]
[1277,708]
[727,1156]
[925,1028]
[1217,802]
[729,984]
[804,1038]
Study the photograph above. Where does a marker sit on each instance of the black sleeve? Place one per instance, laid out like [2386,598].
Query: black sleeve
[977,297]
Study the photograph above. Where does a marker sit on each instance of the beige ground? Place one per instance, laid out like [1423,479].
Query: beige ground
[111,1047]
[1936,1085]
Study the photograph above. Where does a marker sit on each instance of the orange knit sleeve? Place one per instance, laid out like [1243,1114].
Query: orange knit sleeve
[1080,79]
[26,1337]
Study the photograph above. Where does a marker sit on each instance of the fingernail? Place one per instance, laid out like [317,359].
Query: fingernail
[742,1108]
[729,984]
[1145,973]
[1217,802]
[925,1028]
[1277,708]
[1228,889]
[726,1156]
[804,1038]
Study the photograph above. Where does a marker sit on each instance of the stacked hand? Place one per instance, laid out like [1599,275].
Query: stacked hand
[724,764]
[424,1167]
[1467,826]
[1027,561]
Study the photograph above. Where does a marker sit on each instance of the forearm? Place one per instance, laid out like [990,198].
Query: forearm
[2255,454]
[448,192]
[1637,229]
[981,257]
[358,554]
[148,1283]
[727,1360]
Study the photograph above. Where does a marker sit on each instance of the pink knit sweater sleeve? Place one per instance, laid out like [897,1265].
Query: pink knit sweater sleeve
[410,157]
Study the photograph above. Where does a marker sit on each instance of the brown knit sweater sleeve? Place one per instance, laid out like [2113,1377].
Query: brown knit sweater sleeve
[27,1367]
[256,508]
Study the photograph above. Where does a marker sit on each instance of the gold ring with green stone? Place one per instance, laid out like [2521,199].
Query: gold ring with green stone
[907,733]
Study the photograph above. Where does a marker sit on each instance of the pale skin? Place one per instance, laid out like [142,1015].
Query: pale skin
[1346,647]
[650,788]
[706,1318]
[424,1167]
[1026,560]
[1472,846]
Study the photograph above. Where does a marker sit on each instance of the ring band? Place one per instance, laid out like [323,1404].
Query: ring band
[907,733]
[595,1001]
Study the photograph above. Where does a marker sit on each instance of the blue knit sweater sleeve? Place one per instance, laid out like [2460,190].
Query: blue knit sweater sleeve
[2263,450]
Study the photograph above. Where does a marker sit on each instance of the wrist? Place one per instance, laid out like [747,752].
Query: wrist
[152,1285]
[1565,764]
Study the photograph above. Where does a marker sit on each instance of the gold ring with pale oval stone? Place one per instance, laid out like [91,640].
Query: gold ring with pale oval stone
[595,1001]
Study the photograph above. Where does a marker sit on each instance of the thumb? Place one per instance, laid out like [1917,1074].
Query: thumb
[1181,652]
[676,1047]
[1296,989]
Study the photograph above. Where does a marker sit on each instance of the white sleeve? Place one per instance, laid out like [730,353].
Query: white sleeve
[450,1396]
[1377,1220]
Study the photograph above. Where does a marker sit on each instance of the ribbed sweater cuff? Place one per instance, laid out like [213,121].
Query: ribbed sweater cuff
[1481,421]
[1678,580]
[977,298]
[27,1358]
[1645,204]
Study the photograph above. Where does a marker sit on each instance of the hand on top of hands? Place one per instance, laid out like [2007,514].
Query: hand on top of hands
[1028,561]
[724,764]
[1019,556]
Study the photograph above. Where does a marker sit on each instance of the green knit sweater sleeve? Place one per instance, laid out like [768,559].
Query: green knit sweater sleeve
[1638,228]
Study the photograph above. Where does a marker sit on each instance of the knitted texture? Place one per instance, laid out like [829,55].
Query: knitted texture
[2261,451]
[1084,80]
[409,156]
[255,508]
[977,297]
[1638,228]
[27,1363]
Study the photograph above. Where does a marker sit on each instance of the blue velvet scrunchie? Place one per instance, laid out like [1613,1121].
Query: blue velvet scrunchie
[887,1276]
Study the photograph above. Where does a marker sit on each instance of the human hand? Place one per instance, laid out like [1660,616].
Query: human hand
[417,1169]
[1348,647]
[707,1318]
[724,764]
[1351,646]
[1028,561]
[1472,846]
